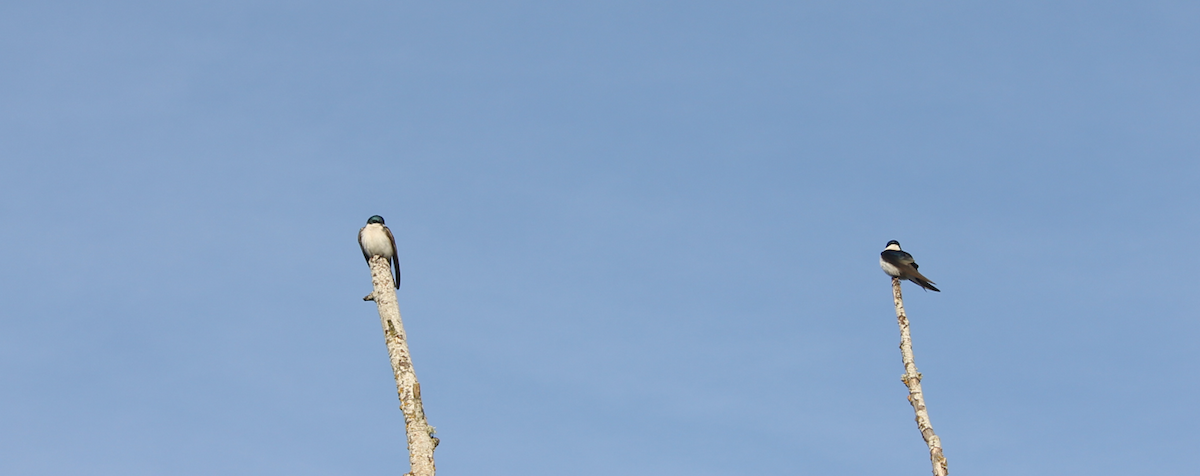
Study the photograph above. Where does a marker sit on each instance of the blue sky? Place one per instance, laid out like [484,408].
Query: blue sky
[637,238]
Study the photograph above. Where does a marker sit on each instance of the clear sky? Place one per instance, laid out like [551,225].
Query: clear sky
[638,238]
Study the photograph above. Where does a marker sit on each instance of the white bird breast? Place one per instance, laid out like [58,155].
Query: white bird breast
[375,241]
[888,268]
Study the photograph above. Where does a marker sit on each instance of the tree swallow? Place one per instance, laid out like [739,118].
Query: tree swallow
[899,264]
[376,239]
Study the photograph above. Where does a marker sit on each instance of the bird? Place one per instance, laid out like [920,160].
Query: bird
[900,264]
[376,239]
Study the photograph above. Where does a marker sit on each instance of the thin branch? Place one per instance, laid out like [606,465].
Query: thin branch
[912,379]
[421,441]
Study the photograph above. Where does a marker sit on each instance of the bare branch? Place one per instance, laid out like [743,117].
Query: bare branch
[421,441]
[912,379]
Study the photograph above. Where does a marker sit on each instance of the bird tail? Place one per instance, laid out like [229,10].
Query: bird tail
[923,282]
[396,263]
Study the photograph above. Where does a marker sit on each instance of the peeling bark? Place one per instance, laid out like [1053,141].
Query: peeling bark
[912,380]
[421,441]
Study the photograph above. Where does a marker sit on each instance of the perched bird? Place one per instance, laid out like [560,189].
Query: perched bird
[899,264]
[376,239]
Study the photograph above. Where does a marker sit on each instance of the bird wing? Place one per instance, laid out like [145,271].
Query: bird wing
[898,258]
[395,255]
[360,245]
[923,282]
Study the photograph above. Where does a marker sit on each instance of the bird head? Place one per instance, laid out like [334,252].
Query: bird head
[375,219]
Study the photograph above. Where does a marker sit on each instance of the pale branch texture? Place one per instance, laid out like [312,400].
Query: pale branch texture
[420,435]
[912,379]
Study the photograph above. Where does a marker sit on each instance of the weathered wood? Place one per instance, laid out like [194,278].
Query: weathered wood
[421,441]
[912,380]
